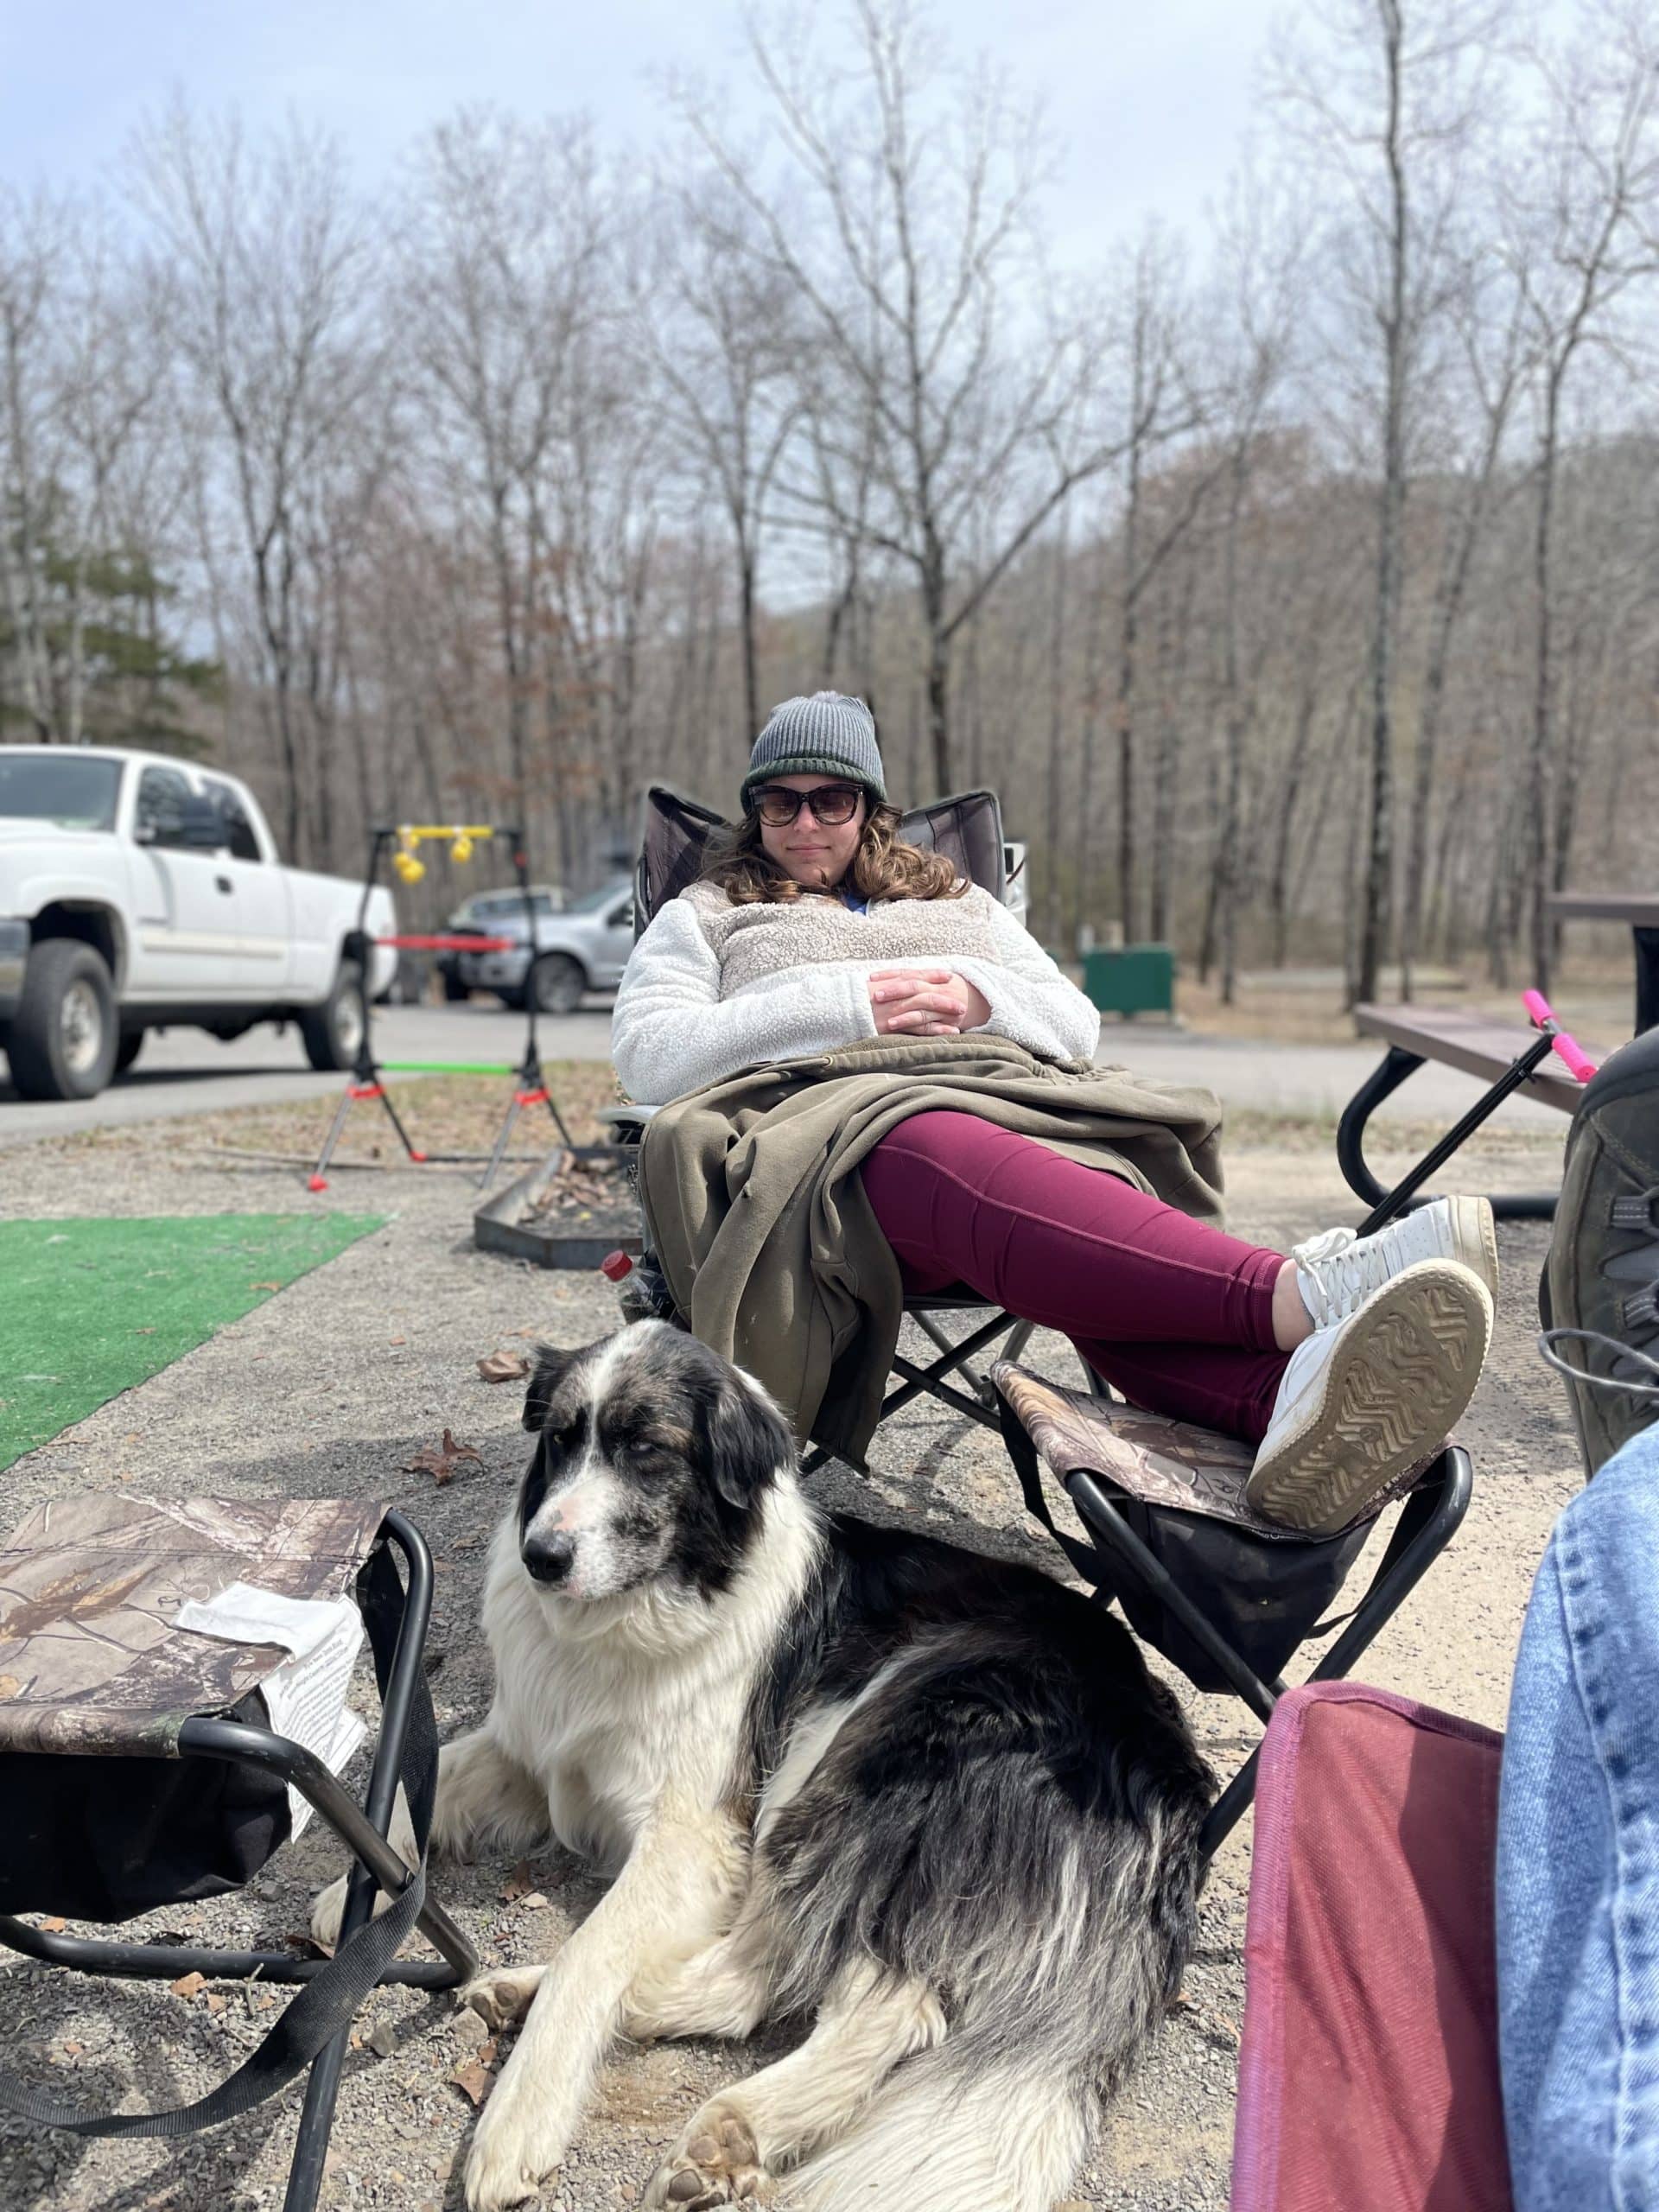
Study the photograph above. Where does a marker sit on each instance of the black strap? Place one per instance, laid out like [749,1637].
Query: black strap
[329,2002]
[1023,1453]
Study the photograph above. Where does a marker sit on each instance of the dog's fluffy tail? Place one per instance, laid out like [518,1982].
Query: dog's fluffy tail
[936,2138]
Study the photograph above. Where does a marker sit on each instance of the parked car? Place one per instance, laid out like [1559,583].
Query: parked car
[585,948]
[477,916]
[140,893]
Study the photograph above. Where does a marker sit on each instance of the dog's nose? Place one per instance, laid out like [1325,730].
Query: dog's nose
[549,1558]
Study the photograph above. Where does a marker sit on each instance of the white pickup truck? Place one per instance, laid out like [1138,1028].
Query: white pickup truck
[138,893]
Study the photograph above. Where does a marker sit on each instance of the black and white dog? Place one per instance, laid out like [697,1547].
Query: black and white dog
[930,1800]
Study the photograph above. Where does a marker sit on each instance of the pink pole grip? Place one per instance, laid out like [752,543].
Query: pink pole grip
[1578,1062]
[1580,1066]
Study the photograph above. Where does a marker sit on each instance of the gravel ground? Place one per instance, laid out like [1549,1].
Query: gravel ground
[329,1388]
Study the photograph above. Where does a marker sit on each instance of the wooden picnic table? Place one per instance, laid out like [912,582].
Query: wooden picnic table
[1640,909]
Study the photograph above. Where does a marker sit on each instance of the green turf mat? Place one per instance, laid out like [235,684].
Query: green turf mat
[88,1308]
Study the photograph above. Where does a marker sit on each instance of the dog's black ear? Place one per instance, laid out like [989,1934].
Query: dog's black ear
[742,1440]
[545,1376]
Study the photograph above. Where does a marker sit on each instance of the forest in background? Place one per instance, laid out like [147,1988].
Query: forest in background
[1295,583]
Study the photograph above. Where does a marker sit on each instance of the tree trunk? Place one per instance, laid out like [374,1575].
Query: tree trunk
[1448,605]
[939,675]
[1167,767]
[1059,568]
[1289,792]
[1536,849]
[1379,856]
[1086,869]
[746,622]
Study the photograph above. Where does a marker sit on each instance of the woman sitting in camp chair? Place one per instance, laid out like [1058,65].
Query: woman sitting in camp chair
[883,1086]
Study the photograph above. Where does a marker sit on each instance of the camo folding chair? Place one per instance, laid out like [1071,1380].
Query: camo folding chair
[139,1771]
[674,834]
[1225,1595]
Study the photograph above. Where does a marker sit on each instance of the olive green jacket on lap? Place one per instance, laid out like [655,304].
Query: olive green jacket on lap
[758,1216]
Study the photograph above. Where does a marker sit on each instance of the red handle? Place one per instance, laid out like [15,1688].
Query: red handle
[1579,1064]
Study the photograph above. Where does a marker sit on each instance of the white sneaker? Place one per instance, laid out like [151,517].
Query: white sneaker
[1370,1396]
[1338,1271]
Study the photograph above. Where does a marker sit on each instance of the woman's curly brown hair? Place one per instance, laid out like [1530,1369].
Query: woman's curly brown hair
[884,866]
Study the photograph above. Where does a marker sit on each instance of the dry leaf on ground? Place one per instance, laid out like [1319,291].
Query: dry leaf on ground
[475,2079]
[521,1883]
[503,1367]
[440,1460]
[188,1985]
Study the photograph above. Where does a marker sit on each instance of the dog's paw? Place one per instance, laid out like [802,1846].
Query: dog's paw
[716,2162]
[514,2150]
[501,2000]
[326,1913]
[330,1909]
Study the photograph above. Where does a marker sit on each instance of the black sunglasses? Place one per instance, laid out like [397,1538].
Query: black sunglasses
[831,803]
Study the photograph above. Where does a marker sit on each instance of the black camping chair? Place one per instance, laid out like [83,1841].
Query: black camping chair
[138,1770]
[1225,1595]
[674,834]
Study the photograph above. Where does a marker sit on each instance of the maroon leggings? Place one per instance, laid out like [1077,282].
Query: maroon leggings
[1176,1316]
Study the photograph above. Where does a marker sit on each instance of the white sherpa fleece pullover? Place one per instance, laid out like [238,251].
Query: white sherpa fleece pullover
[712,986]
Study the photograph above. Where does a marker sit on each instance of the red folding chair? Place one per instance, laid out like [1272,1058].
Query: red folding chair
[1369,2075]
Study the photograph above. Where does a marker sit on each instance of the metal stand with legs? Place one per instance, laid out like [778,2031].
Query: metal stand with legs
[367,1081]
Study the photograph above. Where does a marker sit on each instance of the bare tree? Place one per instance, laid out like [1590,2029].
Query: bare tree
[32,237]
[1486,313]
[718,325]
[1584,229]
[499,262]
[1386,95]
[905,229]
[274,284]
[1160,400]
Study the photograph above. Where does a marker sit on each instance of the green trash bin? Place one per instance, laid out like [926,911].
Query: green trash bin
[1130,979]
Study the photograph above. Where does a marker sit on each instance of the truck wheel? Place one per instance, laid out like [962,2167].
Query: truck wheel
[64,1037]
[557,982]
[333,1031]
[454,989]
[128,1050]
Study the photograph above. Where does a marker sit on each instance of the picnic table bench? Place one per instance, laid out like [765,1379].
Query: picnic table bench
[1478,1045]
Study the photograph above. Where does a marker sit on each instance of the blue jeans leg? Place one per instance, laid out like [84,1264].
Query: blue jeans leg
[1577,1858]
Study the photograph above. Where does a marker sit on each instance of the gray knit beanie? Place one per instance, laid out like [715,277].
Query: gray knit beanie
[829,733]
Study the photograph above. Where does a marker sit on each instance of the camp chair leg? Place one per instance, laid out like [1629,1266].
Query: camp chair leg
[1397,1065]
[1427,1524]
[983,1388]
[930,1379]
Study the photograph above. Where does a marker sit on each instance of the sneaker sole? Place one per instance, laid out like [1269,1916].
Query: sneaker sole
[1474,1232]
[1392,1394]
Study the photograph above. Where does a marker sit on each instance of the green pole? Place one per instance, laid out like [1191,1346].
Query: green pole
[444,1067]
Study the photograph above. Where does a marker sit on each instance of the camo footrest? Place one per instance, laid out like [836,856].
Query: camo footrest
[1153,1457]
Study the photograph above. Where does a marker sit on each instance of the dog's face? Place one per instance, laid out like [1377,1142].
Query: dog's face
[651,1457]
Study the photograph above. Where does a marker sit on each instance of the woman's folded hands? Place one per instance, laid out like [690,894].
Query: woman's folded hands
[925,1002]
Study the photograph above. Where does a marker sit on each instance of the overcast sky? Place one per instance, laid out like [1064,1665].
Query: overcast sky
[1149,102]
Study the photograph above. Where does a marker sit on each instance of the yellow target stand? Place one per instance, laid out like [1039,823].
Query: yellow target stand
[403,841]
